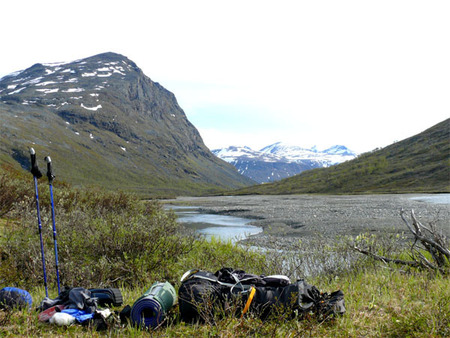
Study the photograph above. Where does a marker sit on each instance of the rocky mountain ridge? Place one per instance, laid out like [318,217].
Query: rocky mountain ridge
[105,122]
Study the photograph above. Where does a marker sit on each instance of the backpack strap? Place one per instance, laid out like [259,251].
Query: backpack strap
[188,274]
[249,301]
[195,273]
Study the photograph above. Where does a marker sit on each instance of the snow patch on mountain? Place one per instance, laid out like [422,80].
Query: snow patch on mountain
[48,91]
[91,108]
[61,73]
[16,91]
[74,90]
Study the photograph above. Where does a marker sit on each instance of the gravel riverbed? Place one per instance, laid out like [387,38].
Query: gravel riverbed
[289,217]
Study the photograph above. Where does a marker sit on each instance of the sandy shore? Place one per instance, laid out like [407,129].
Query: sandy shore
[302,216]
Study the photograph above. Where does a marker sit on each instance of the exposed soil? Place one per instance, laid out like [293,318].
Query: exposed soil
[289,217]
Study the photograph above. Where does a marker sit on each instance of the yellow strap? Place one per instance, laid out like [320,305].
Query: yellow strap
[249,301]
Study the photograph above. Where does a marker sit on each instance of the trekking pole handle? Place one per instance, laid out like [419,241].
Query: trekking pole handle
[34,167]
[49,169]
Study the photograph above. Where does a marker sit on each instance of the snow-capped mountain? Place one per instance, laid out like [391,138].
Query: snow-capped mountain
[280,160]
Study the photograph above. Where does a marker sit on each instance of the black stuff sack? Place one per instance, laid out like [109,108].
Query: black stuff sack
[73,298]
[107,297]
[311,301]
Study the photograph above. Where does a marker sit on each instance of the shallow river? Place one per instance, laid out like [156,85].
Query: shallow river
[226,227]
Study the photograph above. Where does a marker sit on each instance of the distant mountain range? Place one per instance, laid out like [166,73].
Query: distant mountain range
[418,164]
[280,160]
[104,122]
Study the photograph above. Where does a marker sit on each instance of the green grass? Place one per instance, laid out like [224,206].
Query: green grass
[380,301]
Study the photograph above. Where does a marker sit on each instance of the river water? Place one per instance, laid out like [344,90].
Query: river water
[434,199]
[223,227]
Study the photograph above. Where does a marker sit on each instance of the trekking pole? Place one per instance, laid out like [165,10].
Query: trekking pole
[37,174]
[50,184]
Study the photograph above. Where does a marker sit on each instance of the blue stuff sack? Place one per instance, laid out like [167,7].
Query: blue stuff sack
[15,298]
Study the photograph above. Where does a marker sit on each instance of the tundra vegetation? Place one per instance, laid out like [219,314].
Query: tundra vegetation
[114,239]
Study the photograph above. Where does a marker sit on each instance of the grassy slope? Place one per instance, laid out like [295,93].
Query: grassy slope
[80,160]
[418,164]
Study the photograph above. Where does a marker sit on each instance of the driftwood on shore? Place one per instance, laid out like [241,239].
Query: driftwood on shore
[430,248]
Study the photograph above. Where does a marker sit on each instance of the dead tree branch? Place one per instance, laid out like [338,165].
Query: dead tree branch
[429,250]
[385,259]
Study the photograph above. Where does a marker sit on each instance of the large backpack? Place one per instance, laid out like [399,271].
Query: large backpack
[203,295]
[200,296]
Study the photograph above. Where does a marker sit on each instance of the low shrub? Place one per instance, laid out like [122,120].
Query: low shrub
[103,238]
[13,188]
[106,238]
[95,247]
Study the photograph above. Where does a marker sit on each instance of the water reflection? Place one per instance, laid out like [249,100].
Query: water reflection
[223,227]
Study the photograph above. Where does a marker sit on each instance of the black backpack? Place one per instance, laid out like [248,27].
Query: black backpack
[203,294]
[199,297]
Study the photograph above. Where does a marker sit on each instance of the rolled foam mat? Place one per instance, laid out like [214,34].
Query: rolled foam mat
[152,306]
[146,311]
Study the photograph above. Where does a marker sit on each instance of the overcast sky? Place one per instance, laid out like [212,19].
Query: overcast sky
[363,74]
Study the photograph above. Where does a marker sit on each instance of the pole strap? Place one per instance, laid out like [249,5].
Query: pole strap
[34,167]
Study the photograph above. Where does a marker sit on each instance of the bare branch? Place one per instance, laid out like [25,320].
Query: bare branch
[416,224]
[427,262]
[402,214]
[386,259]
[427,242]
